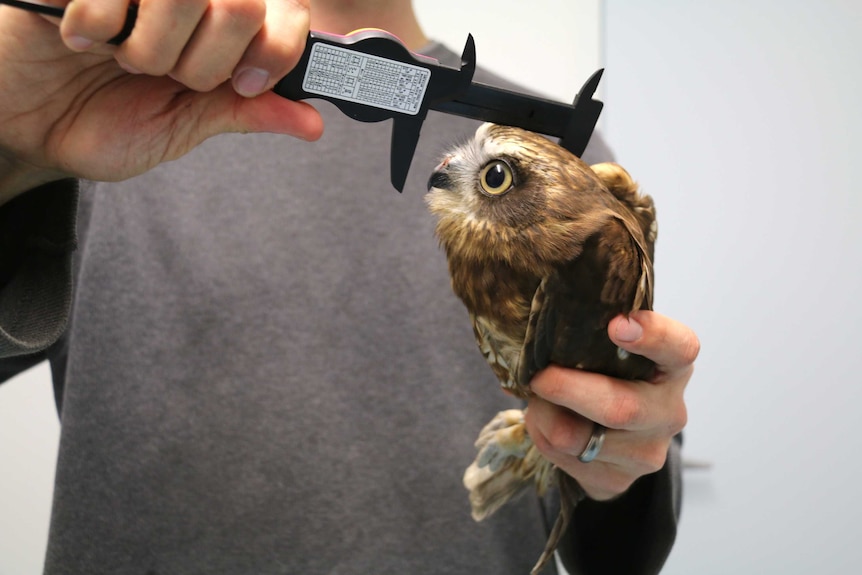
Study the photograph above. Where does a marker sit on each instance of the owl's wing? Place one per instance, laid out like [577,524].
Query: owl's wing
[496,351]
[573,305]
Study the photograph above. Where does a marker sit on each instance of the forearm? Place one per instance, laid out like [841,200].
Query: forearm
[631,534]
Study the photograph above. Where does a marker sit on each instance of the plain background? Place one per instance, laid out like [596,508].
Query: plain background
[743,121]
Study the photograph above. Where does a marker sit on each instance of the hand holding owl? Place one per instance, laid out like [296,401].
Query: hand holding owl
[641,416]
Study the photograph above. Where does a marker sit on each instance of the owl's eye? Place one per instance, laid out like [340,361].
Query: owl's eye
[496,178]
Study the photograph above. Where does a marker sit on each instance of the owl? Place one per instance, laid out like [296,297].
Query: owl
[543,250]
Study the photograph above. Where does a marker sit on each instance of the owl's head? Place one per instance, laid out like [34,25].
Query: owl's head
[515,195]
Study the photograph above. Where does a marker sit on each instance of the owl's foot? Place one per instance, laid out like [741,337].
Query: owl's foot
[507,463]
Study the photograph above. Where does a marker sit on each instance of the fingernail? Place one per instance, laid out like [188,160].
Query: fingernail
[628,330]
[79,43]
[251,81]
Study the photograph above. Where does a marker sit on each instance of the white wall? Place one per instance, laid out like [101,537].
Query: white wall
[29,433]
[553,49]
[743,120]
[551,46]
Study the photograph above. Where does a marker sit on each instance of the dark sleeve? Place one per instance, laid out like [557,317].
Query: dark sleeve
[632,534]
[37,238]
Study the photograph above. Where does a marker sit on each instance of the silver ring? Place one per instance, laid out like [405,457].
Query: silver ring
[594,445]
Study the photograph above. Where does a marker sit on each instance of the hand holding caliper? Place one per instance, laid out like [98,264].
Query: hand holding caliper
[371,76]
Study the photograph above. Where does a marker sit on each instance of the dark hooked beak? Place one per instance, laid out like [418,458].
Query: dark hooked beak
[439,179]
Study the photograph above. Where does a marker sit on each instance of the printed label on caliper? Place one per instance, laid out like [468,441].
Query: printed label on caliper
[365,79]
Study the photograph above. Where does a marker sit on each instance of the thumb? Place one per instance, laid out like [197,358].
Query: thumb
[267,112]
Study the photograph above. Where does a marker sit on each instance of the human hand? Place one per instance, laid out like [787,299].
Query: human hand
[70,105]
[641,416]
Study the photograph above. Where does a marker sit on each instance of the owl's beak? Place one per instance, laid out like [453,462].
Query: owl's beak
[439,179]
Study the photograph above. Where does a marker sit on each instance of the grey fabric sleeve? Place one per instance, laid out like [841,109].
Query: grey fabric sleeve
[37,238]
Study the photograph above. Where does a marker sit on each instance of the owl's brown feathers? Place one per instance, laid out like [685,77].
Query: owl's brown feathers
[584,231]
[544,251]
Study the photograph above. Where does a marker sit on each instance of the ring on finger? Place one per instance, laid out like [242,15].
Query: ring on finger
[594,445]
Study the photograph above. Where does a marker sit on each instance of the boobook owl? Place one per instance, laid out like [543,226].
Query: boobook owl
[544,251]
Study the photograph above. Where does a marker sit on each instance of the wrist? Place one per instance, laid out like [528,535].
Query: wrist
[17,177]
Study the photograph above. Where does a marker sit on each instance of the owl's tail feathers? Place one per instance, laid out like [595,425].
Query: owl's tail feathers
[570,494]
[508,462]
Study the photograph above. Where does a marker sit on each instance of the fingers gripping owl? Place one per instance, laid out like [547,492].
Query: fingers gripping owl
[544,251]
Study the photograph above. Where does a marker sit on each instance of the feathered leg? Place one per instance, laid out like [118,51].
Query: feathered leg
[507,463]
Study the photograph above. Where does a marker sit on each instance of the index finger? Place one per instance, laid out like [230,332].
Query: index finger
[277,48]
[669,343]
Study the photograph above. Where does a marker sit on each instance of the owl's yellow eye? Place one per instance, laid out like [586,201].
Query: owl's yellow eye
[496,178]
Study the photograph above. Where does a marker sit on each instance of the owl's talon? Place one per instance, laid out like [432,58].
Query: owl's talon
[503,444]
[507,463]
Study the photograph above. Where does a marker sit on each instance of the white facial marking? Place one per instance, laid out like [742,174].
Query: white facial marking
[492,148]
